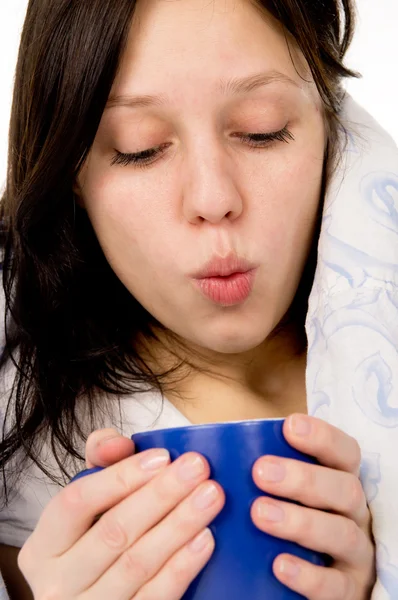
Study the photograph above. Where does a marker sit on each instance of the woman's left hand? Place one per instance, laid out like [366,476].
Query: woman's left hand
[334,519]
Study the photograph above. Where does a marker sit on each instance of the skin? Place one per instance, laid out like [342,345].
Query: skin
[208,194]
[126,564]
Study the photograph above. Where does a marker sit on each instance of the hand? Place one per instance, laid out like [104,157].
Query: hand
[106,447]
[334,519]
[151,540]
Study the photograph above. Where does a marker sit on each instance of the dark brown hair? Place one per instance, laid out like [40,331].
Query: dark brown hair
[69,320]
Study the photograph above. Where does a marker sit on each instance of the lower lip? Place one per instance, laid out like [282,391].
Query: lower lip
[227,291]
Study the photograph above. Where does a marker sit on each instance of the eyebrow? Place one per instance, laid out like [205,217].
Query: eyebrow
[232,87]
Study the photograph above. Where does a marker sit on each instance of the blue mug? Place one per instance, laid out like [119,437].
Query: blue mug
[241,566]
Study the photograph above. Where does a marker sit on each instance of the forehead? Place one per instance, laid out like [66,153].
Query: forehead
[175,45]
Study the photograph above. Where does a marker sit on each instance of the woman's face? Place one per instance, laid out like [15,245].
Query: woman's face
[206,221]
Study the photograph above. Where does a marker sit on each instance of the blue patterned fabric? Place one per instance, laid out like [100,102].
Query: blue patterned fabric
[352,323]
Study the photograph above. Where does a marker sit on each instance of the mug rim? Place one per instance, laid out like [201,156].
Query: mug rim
[209,426]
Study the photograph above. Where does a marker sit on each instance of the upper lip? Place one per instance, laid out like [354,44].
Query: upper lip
[223,267]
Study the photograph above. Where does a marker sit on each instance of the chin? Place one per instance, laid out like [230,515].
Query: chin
[232,341]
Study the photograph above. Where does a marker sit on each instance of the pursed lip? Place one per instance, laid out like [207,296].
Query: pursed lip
[223,267]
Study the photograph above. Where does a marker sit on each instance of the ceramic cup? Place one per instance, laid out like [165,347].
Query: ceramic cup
[241,566]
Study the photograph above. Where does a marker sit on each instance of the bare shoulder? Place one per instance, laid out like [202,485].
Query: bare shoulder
[15,582]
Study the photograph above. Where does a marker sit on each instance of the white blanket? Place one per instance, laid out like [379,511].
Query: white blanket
[352,323]
[352,326]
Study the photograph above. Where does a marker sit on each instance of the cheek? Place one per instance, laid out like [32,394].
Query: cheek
[128,218]
[302,189]
[136,246]
[287,203]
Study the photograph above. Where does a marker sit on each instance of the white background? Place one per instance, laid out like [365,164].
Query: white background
[374,53]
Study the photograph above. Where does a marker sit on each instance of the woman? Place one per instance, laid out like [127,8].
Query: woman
[168,164]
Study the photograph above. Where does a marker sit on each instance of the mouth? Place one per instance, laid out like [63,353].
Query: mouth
[226,281]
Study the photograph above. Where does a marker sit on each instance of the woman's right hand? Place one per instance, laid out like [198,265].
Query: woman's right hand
[150,542]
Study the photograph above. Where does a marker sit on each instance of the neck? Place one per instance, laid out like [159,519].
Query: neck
[265,382]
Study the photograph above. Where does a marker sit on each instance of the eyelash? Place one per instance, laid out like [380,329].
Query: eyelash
[254,140]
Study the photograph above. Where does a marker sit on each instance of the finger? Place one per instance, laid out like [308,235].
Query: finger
[174,579]
[329,445]
[313,485]
[320,531]
[124,524]
[71,513]
[143,560]
[106,447]
[314,582]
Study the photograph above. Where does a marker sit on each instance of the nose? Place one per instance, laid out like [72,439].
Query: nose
[210,192]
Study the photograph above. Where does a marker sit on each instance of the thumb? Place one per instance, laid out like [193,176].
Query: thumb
[105,447]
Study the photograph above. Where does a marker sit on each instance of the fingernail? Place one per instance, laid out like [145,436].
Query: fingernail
[270,512]
[154,459]
[191,467]
[206,495]
[104,441]
[288,568]
[271,471]
[201,541]
[300,425]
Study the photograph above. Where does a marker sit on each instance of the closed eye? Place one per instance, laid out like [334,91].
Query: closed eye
[147,157]
[261,140]
[141,159]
